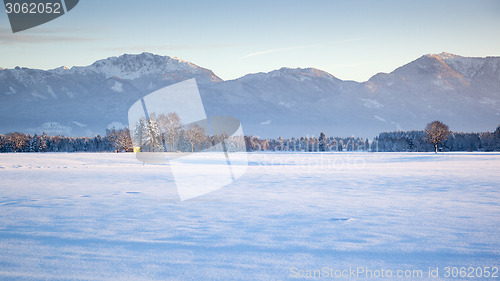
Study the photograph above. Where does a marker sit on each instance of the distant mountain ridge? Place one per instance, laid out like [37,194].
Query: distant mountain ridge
[460,91]
[132,67]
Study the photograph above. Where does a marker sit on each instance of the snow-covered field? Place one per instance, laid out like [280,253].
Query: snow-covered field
[108,217]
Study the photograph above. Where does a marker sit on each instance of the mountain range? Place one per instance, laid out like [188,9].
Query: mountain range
[463,92]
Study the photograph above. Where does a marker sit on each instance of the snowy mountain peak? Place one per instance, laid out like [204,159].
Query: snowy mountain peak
[466,66]
[311,72]
[443,66]
[136,66]
[130,66]
[444,56]
[290,73]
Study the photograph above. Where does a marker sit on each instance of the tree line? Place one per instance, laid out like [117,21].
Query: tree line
[166,133]
[307,144]
[422,141]
[115,140]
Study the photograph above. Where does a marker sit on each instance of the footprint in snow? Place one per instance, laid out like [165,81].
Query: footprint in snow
[341,219]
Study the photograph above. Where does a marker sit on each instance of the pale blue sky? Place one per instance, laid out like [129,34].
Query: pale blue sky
[350,39]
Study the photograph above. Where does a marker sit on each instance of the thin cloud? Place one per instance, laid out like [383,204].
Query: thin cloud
[41,36]
[277,50]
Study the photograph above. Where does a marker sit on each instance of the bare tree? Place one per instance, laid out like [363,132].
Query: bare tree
[170,125]
[436,132]
[195,135]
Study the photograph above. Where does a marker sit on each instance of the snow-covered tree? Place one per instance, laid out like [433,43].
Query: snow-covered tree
[139,134]
[322,142]
[152,138]
[496,135]
[120,139]
[18,141]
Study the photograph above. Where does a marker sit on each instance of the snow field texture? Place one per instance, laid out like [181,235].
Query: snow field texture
[72,216]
